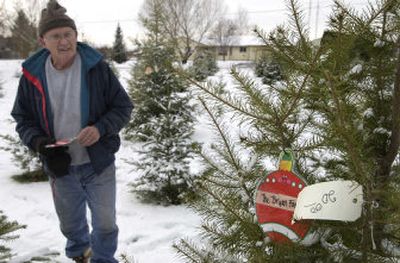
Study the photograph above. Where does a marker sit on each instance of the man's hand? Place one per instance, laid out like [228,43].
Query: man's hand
[88,136]
[39,144]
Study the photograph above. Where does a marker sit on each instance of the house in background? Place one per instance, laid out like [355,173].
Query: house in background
[246,48]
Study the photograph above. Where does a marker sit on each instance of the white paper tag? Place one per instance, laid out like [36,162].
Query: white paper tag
[337,200]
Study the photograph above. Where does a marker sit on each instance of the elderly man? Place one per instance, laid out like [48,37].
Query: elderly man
[68,94]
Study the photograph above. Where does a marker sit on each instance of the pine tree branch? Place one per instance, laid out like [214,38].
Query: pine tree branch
[345,133]
[299,94]
[296,99]
[249,87]
[275,46]
[302,127]
[293,7]
[224,204]
[220,184]
[359,21]
[394,145]
[215,166]
[227,146]
[186,253]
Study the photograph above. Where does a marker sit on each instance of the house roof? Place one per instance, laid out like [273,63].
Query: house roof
[237,41]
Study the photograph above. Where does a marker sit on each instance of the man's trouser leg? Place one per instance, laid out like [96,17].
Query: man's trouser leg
[101,195]
[70,203]
[71,193]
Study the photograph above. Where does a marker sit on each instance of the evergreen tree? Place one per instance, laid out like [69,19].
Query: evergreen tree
[337,108]
[204,65]
[27,160]
[119,50]
[269,70]
[6,228]
[23,35]
[156,56]
[161,120]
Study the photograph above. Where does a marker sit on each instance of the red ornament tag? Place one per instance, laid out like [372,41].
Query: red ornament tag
[276,200]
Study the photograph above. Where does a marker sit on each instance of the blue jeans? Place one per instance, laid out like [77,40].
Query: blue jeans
[71,193]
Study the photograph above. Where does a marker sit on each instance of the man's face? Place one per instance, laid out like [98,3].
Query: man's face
[61,42]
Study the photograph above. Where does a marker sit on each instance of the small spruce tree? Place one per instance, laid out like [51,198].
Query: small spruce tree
[119,54]
[204,65]
[269,70]
[6,228]
[161,120]
[27,160]
[338,109]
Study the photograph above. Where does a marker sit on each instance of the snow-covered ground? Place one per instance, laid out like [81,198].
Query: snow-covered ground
[146,231]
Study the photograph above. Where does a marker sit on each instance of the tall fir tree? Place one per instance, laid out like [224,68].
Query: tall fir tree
[23,35]
[338,109]
[6,228]
[119,53]
[161,119]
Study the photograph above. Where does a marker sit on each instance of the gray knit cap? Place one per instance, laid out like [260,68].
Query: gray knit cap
[54,16]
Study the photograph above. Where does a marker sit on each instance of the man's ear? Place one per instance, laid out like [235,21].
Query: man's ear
[41,42]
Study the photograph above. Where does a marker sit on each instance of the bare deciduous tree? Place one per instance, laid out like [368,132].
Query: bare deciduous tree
[3,16]
[187,22]
[242,21]
[224,35]
[226,32]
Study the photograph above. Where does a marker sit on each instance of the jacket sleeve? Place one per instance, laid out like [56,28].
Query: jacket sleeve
[119,106]
[23,112]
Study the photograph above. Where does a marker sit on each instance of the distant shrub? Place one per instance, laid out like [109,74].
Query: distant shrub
[204,65]
[269,70]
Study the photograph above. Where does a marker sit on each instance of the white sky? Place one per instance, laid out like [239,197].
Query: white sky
[97,20]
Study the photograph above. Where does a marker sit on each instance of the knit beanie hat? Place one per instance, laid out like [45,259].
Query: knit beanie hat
[54,16]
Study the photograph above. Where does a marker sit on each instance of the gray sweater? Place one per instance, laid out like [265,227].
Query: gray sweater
[64,88]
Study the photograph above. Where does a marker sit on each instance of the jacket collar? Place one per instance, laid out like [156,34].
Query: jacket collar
[35,63]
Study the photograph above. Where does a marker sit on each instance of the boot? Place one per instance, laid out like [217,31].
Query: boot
[85,257]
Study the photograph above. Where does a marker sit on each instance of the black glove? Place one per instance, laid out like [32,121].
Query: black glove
[39,145]
[56,159]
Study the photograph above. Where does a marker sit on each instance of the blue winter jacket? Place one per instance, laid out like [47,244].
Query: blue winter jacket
[104,104]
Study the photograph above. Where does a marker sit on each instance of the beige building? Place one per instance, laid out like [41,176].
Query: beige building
[247,48]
